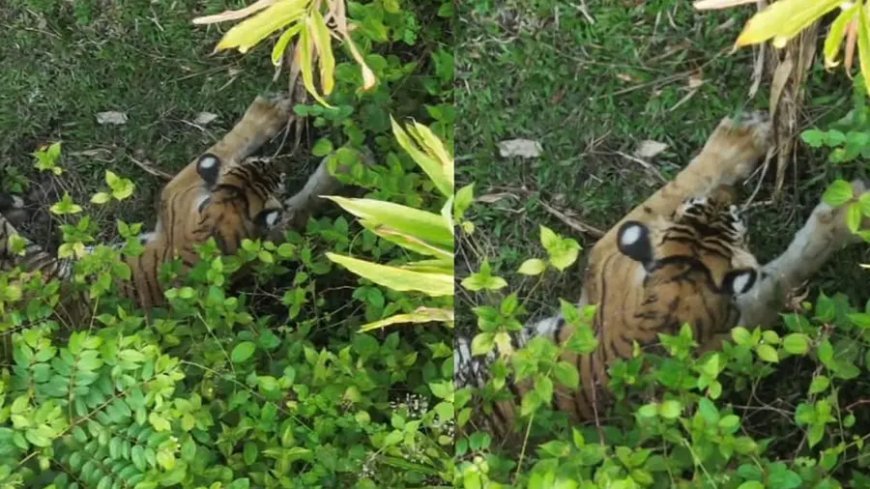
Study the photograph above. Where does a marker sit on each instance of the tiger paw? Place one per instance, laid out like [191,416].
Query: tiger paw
[270,110]
[738,144]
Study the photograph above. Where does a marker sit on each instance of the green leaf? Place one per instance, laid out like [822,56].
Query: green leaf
[796,344]
[482,343]
[422,225]
[819,384]
[532,266]
[853,217]
[741,336]
[100,198]
[836,34]
[670,409]
[463,200]
[428,152]
[837,193]
[483,279]
[864,202]
[864,45]
[251,31]
[767,353]
[322,147]
[243,351]
[420,315]
[323,44]
[567,374]
[282,42]
[813,137]
[562,252]
[433,284]
[751,485]
[783,20]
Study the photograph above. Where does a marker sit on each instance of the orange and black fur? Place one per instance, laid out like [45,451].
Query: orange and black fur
[681,257]
[222,194]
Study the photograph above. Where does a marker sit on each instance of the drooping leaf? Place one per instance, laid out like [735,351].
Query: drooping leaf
[420,315]
[433,284]
[234,14]
[282,42]
[428,152]
[836,35]
[368,76]
[864,45]
[782,20]
[323,45]
[250,32]
[407,220]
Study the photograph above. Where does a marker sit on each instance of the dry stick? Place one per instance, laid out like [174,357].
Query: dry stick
[573,223]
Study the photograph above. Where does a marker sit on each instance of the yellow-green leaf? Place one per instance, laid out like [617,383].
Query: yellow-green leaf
[836,35]
[368,76]
[250,32]
[430,154]
[420,315]
[433,284]
[783,20]
[409,242]
[323,44]
[283,41]
[532,266]
[444,265]
[420,224]
[304,60]
[864,45]
[100,198]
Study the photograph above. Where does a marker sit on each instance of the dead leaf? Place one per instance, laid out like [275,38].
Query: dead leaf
[203,118]
[111,117]
[492,198]
[524,148]
[719,4]
[624,77]
[696,80]
[648,149]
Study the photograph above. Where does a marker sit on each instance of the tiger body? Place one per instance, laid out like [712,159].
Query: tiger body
[222,194]
[680,257]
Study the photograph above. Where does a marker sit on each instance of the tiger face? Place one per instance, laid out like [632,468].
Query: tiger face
[241,203]
[688,269]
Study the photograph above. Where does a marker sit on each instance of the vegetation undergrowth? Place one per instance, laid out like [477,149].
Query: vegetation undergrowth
[781,408]
[270,385]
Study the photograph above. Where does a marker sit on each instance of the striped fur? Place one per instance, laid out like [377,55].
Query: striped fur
[223,194]
[679,257]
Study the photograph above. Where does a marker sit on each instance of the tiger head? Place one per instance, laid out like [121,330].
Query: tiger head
[692,265]
[229,202]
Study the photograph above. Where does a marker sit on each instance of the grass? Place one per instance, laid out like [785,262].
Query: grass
[64,62]
[589,87]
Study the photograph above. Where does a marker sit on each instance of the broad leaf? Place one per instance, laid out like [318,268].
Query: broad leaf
[250,32]
[403,219]
[782,20]
[433,284]
[420,315]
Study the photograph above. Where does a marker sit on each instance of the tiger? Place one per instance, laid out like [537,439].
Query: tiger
[680,257]
[223,194]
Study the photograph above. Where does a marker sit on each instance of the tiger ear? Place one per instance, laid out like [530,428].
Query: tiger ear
[268,218]
[208,167]
[633,241]
[739,281]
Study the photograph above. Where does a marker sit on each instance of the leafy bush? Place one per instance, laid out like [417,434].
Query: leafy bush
[270,386]
[770,409]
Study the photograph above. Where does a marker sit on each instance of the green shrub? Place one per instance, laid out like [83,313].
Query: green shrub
[272,385]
